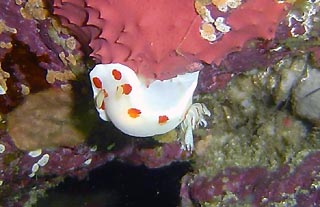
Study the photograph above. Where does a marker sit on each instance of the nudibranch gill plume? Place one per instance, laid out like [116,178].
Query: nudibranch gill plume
[144,110]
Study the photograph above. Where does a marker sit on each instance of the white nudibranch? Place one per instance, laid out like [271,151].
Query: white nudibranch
[140,110]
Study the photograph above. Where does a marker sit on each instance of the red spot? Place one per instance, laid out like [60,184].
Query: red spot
[97,82]
[163,119]
[126,88]
[116,74]
[134,113]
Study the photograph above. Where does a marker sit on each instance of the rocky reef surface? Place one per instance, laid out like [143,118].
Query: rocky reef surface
[261,145]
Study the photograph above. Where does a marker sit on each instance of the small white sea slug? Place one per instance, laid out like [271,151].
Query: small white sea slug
[140,110]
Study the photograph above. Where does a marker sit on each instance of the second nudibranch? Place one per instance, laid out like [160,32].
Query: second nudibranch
[140,110]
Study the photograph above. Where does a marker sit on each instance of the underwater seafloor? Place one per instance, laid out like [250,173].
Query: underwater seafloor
[261,146]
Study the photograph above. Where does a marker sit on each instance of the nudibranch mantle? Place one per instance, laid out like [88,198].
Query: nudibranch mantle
[140,110]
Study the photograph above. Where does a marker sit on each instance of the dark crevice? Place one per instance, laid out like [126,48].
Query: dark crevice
[117,184]
[24,69]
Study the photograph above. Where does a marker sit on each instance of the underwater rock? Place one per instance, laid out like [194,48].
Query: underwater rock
[294,80]
[255,141]
[26,175]
[306,95]
[256,186]
[3,78]
[45,120]
[256,151]
[253,138]
[35,51]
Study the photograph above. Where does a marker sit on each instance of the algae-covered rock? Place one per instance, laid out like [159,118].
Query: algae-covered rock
[257,151]
[246,130]
[45,119]
[306,96]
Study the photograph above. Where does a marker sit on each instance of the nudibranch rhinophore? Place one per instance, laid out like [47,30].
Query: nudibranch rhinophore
[144,110]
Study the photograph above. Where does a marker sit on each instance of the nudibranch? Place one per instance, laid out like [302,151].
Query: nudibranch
[142,110]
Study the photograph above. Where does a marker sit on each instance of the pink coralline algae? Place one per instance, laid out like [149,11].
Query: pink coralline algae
[256,186]
[26,169]
[152,38]
[159,39]
[32,60]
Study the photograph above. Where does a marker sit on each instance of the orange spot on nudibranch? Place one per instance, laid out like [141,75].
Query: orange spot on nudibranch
[126,88]
[163,119]
[116,74]
[97,82]
[134,113]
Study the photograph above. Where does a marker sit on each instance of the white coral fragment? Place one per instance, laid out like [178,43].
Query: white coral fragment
[225,5]
[35,167]
[35,153]
[208,32]
[43,160]
[221,26]
[2,148]
[233,4]
[88,161]
[3,78]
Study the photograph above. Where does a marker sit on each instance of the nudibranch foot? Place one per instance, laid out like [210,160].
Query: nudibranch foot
[193,119]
